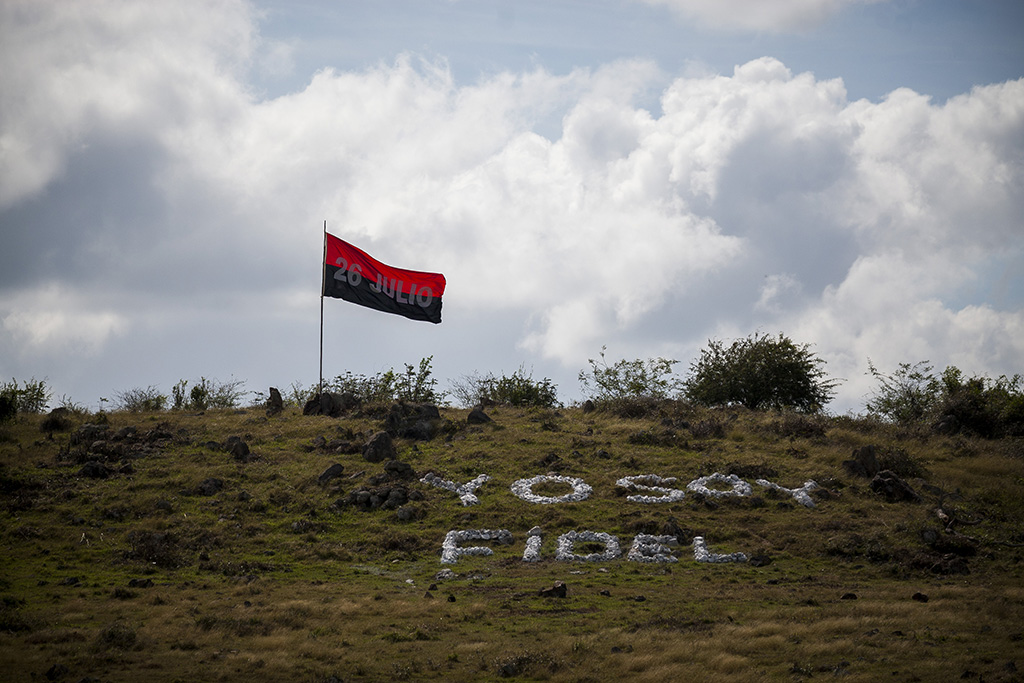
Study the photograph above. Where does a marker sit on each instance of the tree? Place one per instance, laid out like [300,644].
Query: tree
[760,372]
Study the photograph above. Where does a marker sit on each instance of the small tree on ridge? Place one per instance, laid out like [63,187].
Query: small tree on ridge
[760,372]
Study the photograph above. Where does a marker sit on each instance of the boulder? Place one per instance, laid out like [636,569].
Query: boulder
[331,404]
[477,416]
[864,462]
[331,472]
[94,470]
[379,448]
[559,590]
[892,488]
[420,421]
[238,449]
[210,486]
[275,404]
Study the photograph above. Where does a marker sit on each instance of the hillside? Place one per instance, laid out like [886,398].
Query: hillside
[223,546]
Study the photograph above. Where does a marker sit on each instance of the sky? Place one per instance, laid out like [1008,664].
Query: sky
[639,176]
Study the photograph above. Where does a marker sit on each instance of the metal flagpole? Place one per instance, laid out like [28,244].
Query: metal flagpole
[323,260]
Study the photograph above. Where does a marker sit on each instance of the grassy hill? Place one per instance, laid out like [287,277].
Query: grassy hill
[158,547]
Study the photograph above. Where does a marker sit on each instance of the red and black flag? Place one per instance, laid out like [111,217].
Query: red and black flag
[353,275]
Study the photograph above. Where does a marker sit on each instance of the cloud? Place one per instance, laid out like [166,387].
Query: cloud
[560,208]
[52,319]
[778,16]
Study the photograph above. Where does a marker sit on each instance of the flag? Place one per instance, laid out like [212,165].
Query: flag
[353,275]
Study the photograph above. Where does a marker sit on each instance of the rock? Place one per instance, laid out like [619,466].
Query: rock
[420,421]
[477,416]
[238,449]
[275,404]
[94,470]
[88,433]
[864,462]
[140,583]
[379,448]
[335,470]
[892,488]
[920,597]
[56,672]
[559,590]
[588,406]
[849,596]
[398,470]
[331,404]
[57,420]
[760,561]
[210,486]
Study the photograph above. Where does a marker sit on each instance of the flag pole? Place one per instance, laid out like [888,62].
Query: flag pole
[323,260]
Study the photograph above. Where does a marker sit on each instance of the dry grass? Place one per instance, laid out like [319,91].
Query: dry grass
[139,575]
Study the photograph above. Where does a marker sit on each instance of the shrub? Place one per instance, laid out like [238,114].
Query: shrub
[415,385]
[951,403]
[979,405]
[638,378]
[140,400]
[519,389]
[8,408]
[31,397]
[760,372]
[907,395]
[208,394]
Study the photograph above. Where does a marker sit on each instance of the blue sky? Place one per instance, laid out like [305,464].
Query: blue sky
[638,174]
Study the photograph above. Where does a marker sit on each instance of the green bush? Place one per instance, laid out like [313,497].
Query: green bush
[139,400]
[8,408]
[628,379]
[415,385]
[760,372]
[31,397]
[519,389]
[208,394]
[907,395]
[951,403]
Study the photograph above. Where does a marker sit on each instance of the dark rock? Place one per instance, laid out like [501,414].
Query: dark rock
[57,420]
[140,583]
[88,433]
[331,472]
[559,590]
[56,672]
[920,597]
[275,404]
[331,404]
[129,433]
[420,421]
[238,449]
[849,596]
[864,462]
[398,470]
[892,488]
[760,561]
[588,406]
[209,487]
[379,448]
[477,416]
[94,470]
[69,581]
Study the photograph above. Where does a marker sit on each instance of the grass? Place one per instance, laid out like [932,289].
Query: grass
[149,573]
